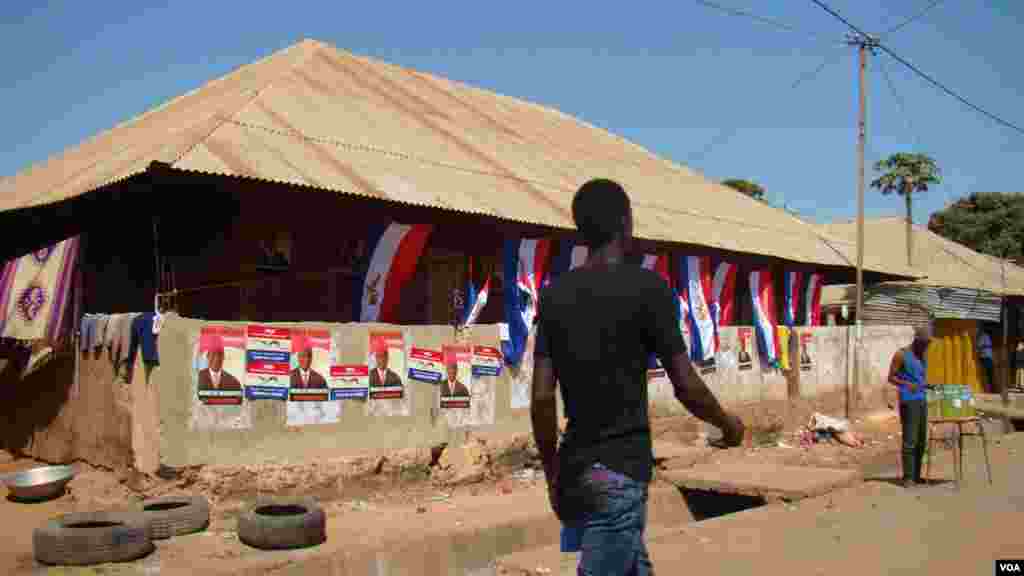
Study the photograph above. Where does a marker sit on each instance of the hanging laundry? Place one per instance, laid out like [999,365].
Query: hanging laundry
[87,333]
[34,292]
[103,331]
[395,251]
[122,345]
[142,338]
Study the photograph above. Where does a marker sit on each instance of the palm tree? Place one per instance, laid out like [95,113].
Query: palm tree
[906,174]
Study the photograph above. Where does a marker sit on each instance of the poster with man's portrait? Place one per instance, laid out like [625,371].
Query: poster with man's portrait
[458,372]
[218,368]
[485,367]
[308,390]
[744,361]
[387,365]
[806,343]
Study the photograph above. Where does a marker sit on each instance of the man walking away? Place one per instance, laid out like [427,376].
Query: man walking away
[909,372]
[985,356]
[597,326]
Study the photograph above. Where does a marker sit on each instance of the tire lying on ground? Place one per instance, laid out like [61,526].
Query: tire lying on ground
[87,538]
[280,524]
[177,515]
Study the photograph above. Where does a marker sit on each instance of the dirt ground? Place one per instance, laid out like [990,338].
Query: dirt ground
[491,478]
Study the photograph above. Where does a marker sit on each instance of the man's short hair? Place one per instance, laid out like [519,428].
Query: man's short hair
[599,209]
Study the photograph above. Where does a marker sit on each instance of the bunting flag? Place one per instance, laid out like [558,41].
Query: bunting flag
[695,279]
[812,301]
[763,298]
[684,315]
[791,304]
[525,264]
[34,292]
[475,301]
[723,293]
[395,250]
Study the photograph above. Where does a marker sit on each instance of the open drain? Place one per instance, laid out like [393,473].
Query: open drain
[707,504]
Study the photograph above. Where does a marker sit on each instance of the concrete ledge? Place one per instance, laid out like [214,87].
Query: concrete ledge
[767,481]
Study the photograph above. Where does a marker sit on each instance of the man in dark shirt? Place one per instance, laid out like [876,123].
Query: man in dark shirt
[596,328]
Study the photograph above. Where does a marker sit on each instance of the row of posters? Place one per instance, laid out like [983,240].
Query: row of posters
[234,365]
[744,359]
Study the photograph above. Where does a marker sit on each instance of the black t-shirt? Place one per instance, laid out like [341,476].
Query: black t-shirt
[599,327]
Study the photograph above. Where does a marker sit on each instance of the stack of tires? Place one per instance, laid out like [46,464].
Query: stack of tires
[123,536]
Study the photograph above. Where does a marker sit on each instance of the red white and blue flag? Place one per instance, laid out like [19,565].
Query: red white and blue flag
[395,251]
[695,279]
[723,294]
[475,301]
[763,298]
[525,266]
[791,305]
[812,314]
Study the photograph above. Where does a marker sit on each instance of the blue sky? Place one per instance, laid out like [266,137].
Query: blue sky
[672,77]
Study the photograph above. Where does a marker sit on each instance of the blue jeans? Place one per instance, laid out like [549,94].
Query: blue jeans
[610,510]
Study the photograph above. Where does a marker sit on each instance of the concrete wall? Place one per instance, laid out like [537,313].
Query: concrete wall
[269,439]
[148,422]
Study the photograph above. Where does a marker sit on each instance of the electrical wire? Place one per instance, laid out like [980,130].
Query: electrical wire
[914,18]
[901,102]
[726,133]
[873,42]
[762,19]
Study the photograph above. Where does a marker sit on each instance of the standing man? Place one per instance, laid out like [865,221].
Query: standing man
[908,371]
[596,328]
[985,356]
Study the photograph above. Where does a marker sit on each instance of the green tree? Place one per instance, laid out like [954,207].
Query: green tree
[988,222]
[906,174]
[752,189]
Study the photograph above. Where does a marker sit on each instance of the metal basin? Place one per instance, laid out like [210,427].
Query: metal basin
[41,483]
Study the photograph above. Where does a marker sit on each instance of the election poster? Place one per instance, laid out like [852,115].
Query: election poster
[387,366]
[218,363]
[267,363]
[350,382]
[486,364]
[458,372]
[308,393]
[425,365]
[744,360]
[806,343]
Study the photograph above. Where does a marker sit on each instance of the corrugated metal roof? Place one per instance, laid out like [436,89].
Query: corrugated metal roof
[943,262]
[316,116]
[903,302]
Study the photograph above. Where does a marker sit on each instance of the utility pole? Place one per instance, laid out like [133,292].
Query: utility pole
[863,44]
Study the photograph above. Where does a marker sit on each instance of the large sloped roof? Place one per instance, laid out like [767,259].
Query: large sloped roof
[317,116]
[943,262]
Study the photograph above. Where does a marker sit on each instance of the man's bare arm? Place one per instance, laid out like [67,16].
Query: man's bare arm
[694,394]
[894,370]
[544,415]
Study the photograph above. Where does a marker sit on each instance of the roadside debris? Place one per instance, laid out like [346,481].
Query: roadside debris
[822,428]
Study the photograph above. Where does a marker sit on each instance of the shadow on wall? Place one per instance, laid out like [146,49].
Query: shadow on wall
[32,404]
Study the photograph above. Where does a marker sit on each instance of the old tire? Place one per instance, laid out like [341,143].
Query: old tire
[281,524]
[177,515]
[93,538]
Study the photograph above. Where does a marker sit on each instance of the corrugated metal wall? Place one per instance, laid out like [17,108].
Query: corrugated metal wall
[964,304]
[896,305]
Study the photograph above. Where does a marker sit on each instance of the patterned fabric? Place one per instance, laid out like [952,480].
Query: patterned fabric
[34,292]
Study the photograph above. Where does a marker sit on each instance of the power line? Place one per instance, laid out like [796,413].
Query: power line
[942,87]
[900,101]
[727,133]
[914,18]
[874,42]
[762,19]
